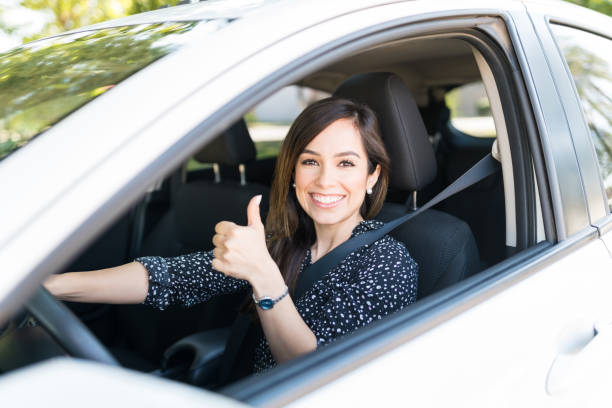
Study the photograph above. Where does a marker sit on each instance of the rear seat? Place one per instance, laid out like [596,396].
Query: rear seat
[188,226]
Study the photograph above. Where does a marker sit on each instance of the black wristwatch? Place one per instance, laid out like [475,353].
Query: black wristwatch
[266,302]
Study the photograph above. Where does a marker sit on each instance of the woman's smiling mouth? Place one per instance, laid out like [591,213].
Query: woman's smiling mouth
[326,200]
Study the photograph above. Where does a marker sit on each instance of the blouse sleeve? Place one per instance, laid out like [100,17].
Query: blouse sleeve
[186,280]
[386,283]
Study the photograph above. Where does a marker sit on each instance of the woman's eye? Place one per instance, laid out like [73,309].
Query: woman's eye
[346,163]
[309,162]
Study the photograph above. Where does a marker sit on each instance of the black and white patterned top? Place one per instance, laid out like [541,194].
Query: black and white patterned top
[370,283]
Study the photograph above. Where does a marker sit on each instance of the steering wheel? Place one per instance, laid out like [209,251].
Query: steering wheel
[67,329]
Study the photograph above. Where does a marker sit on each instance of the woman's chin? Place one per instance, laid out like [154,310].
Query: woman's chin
[329,218]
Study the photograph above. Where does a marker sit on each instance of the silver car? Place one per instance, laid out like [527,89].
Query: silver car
[102,131]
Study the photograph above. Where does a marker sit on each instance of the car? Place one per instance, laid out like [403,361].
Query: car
[114,144]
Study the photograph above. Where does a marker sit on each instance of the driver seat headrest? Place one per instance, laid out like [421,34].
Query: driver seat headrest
[413,163]
[232,147]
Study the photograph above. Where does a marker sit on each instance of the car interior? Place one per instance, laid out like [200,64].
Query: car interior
[409,84]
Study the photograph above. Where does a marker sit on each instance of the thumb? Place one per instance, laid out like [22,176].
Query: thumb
[254,219]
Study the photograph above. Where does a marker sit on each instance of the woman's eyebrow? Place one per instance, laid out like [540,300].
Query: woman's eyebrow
[347,153]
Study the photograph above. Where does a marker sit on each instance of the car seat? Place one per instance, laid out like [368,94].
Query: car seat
[442,245]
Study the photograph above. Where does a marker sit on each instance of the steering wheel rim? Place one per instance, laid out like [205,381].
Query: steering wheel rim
[67,329]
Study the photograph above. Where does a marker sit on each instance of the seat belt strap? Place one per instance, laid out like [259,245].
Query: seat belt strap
[237,336]
[484,168]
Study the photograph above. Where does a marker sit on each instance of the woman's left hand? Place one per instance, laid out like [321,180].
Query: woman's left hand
[241,251]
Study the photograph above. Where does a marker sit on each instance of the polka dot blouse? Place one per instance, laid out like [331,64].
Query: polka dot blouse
[370,283]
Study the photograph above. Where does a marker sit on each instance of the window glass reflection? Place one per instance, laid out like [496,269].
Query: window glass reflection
[589,58]
[42,82]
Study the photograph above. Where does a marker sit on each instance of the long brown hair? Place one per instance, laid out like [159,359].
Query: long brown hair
[289,229]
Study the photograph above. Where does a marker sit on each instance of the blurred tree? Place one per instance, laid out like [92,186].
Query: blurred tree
[603,6]
[41,84]
[140,6]
[4,25]
[71,14]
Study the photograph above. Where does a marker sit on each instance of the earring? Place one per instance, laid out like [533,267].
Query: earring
[369,191]
[293,185]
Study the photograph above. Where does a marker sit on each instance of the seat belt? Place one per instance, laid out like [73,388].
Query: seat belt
[484,168]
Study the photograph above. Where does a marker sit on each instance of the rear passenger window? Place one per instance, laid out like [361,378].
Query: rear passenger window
[589,58]
[470,110]
[270,120]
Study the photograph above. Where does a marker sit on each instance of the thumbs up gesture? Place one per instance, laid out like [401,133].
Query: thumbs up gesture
[241,251]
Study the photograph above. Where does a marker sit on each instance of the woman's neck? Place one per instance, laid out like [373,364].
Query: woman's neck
[330,236]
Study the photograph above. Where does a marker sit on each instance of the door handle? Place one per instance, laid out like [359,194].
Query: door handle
[587,355]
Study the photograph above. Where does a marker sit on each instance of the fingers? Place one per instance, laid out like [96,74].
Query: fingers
[225,227]
[253,216]
[217,264]
[219,240]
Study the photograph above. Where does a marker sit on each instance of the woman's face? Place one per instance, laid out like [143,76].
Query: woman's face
[331,175]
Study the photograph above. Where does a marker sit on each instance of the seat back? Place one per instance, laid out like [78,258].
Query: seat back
[442,245]
[197,206]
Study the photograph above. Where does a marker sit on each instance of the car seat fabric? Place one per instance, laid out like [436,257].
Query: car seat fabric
[232,147]
[413,164]
[443,245]
[453,256]
[197,206]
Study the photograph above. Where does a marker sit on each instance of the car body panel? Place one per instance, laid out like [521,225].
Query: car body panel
[512,338]
[68,382]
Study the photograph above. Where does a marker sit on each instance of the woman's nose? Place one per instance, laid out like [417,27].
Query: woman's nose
[326,177]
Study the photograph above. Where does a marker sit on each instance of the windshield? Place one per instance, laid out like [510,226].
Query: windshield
[42,82]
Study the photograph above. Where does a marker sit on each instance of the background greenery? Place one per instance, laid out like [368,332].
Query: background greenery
[63,15]
[603,6]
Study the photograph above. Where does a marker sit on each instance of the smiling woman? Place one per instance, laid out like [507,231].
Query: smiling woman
[335,154]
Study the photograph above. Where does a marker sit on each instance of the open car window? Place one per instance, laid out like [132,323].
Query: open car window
[470,110]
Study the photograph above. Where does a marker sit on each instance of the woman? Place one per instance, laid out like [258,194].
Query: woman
[331,178]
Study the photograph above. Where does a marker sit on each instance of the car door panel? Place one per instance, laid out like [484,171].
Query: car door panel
[498,352]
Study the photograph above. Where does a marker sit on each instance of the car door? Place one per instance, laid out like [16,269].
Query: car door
[509,338]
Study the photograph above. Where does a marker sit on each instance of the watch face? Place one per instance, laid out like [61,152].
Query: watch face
[266,303]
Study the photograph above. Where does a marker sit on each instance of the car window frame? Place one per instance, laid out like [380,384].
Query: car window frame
[603,223]
[588,169]
[260,390]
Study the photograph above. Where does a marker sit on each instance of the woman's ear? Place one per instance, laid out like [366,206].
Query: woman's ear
[373,177]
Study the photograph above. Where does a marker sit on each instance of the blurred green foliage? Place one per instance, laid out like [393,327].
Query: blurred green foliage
[71,14]
[603,6]
[42,82]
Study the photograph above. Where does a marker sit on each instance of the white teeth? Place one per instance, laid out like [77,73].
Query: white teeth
[326,199]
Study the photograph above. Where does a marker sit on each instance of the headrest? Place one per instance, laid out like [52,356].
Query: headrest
[413,163]
[232,147]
